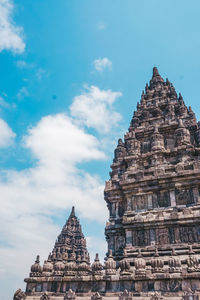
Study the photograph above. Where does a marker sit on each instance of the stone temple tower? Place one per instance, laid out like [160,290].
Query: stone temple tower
[153,191]
[153,231]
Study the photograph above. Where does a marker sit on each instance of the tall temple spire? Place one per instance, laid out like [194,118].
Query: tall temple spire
[160,104]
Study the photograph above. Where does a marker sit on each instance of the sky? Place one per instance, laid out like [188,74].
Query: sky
[71,74]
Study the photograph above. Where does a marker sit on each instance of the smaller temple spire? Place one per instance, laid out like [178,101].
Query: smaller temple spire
[72,212]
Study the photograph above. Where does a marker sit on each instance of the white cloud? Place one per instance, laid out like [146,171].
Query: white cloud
[40,73]
[22,64]
[5,104]
[6,134]
[32,197]
[101,25]
[94,109]
[57,138]
[101,64]
[10,34]
[23,92]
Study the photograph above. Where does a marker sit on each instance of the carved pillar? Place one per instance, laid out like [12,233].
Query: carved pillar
[117,210]
[129,208]
[150,204]
[177,235]
[152,236]
[128,238]
[196,195]
[44,286]
[64,287]
[172,198]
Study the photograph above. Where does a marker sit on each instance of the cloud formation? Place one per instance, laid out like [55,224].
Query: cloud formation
[101,64]
[94,108]
[33,197]
[10,34]
[6,134]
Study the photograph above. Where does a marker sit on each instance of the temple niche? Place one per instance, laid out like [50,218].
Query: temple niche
[153,231]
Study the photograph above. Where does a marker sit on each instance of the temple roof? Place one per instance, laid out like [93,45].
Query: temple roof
[71,240]
[160,123]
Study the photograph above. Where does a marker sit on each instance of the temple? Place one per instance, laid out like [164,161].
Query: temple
[153,231]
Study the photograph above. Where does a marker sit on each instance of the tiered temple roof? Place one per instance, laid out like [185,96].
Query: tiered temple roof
[71,240]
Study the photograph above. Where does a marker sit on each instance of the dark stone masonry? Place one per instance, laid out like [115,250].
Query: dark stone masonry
[153,232]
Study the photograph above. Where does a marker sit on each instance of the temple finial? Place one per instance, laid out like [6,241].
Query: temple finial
[72,212]
[155,72]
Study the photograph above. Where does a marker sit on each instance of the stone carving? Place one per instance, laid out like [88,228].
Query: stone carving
[97,266]
[190,296]
[157,141]
[70,295]
[96,296]
[45,296]
[124,265]
[140,265]
[110,264]
[193,264]
[157,263]
[19,295]
[174,263]
[182,135]
[125,295]
[120,151]
[36,268]
[156,296]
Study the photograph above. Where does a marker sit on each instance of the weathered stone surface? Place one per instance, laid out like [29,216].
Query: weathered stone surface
[45,296]
[19,295]
[70,295]
[153,198]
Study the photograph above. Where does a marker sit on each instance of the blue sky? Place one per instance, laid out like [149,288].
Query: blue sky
[71,75]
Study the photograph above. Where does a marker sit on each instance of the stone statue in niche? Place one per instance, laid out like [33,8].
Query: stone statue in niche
[163,199]
[140,237]
[184,196]
[111,243]
[133,145]
[146,147]
[120,242]
[184,235]
[142,202]
[163,236]
[177,235]
[174,285]
[129,205]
